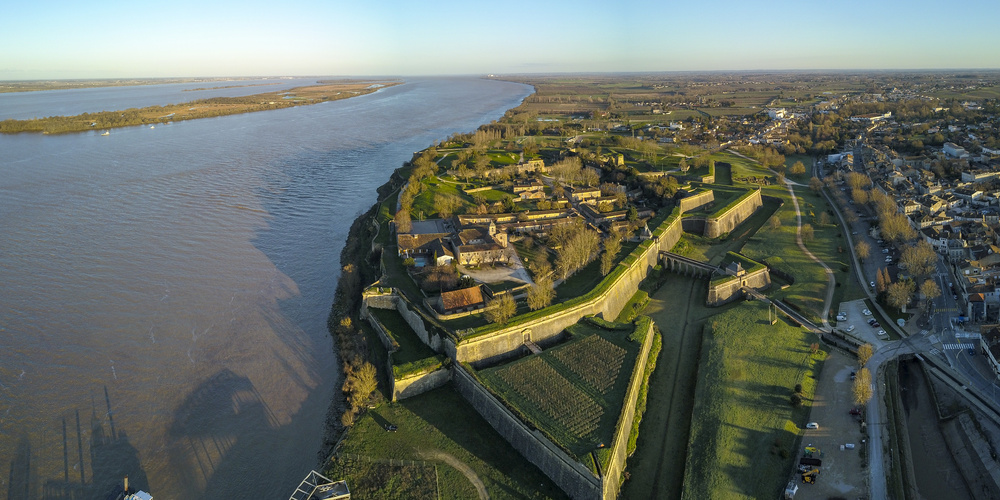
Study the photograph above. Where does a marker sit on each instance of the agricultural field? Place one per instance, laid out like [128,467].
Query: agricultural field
[744,429]
[573,392]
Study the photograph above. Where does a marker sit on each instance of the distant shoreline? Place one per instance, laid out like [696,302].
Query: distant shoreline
[193,110]
[12,86]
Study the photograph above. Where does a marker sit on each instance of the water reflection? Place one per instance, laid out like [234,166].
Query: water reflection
[112,458]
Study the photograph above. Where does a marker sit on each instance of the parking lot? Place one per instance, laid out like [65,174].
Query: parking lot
[841,475]
[856,318]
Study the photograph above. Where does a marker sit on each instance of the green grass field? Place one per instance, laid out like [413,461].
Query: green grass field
[411,348]
[439,421]
[572,392]
[744,431]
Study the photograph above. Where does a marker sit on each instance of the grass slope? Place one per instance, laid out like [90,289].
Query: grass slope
[744,431]
[438,421]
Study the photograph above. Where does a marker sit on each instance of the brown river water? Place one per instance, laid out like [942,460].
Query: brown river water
[164,292]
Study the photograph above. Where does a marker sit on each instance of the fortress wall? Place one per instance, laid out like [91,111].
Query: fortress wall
[697,201]
[611,480]
[728,291]
[693,225]
[716,226]
[507,342]
[417,324]
[570,475]
[418,384]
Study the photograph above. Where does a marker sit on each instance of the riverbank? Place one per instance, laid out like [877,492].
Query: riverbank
[193,110]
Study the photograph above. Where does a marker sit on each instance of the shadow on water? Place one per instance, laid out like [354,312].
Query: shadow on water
[112,457]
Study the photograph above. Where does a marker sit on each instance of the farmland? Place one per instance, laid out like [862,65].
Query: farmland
[572,392]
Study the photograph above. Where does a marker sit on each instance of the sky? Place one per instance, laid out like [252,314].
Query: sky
[47,39]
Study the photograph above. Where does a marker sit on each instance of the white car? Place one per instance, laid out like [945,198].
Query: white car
[812,425]
[881,333]
[866,312]
[850,329]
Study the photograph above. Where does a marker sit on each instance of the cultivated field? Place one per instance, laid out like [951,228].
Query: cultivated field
[572,392]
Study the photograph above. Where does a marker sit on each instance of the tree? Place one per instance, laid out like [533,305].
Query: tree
[446,204]
[402,219]
[774,222]
[865,352]
[862,387]
[880,283]
[540,294]
[612,244]
[824,219]
[919,259]
[857,181]
[930,290]
[863,249]
[898,294]
[860,196]
[807,232]
[798,168]
[501,308]
[815,184]
[364,385]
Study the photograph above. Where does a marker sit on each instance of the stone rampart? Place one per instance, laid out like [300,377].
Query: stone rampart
[418,384]
[696,201]
[619,451]
[725,222]
[569,474]
[505,342]
[399,303]
[724,291]
[575,479]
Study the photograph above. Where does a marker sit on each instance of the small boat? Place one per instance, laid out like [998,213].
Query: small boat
[152,126]
[106,132]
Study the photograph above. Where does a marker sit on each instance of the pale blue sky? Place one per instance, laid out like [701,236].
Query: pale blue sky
[74,39]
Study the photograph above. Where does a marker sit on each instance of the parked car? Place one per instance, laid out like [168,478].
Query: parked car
[871,284]
[871,322]
[812,425]
[850,328]
[881,333]
[855,411]
[866,312]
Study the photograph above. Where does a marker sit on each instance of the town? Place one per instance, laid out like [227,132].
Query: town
[697,286]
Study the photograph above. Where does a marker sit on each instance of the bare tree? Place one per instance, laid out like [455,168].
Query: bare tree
[863,249]
[865,352]
[540,294]
[930,290]
[500,309]
[403,223]
[862,387]
[807,232]
[899,294]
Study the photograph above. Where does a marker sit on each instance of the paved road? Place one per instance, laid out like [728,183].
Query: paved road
[968,372]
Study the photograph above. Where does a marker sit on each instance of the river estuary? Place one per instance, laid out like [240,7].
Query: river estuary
[164,292]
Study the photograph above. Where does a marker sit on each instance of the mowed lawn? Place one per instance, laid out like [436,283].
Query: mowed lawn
[744,430]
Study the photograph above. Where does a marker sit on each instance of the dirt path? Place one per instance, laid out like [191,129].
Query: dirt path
[831,281]
[459,466]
